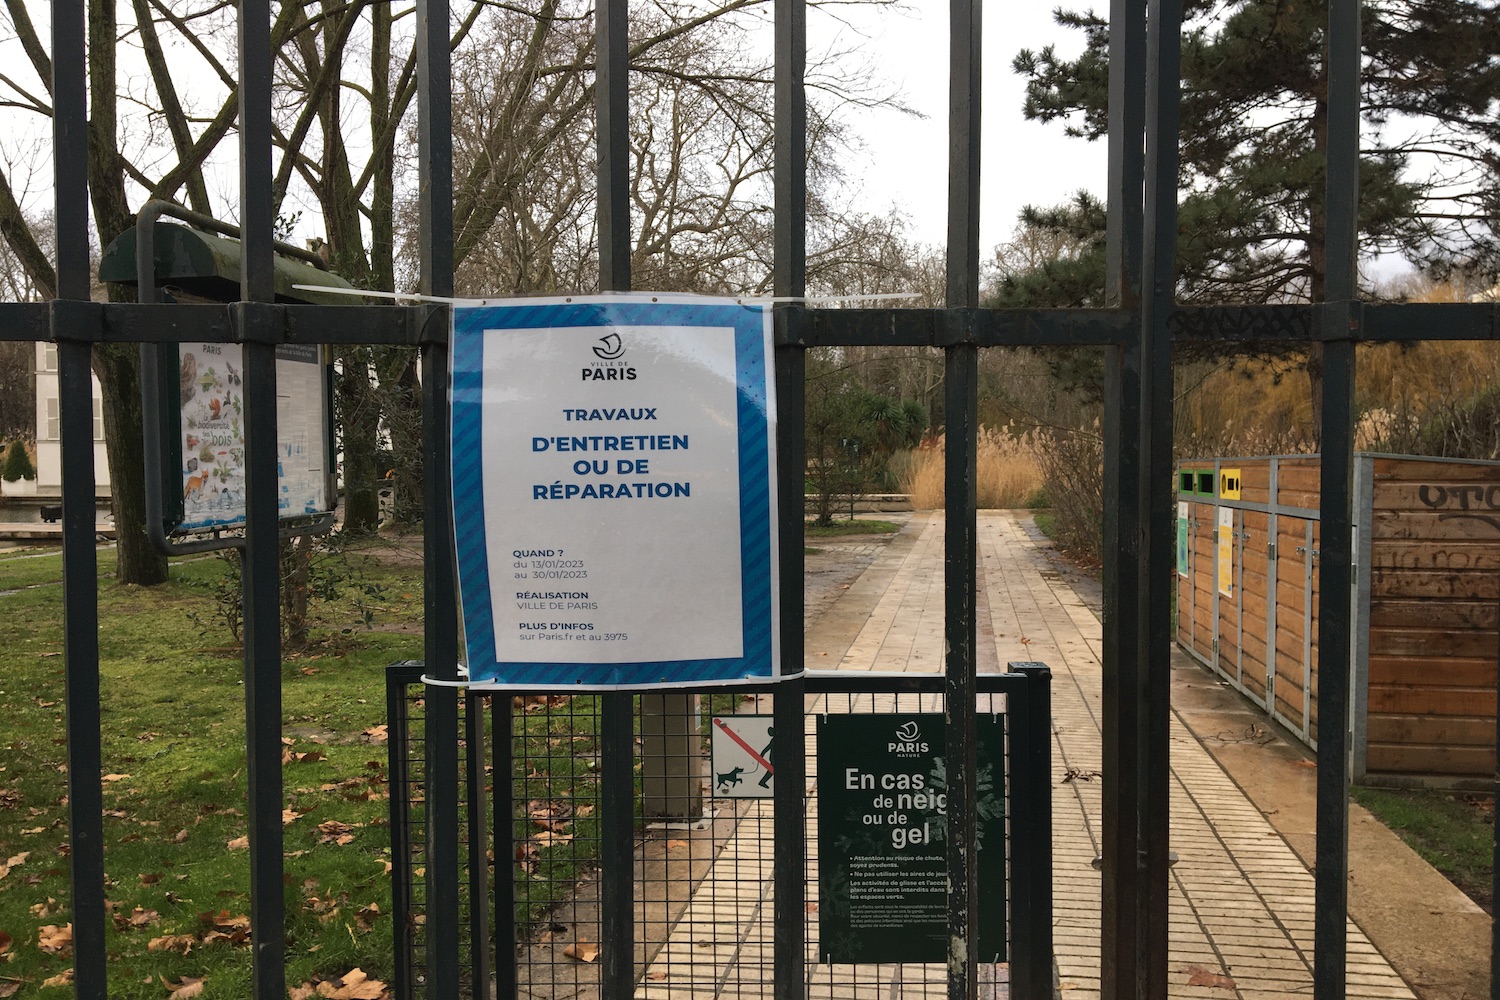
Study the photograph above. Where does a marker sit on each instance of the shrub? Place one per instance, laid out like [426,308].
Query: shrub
[1072,464]
[17,463]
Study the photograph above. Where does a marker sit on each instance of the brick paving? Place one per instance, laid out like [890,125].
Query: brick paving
[1241,910]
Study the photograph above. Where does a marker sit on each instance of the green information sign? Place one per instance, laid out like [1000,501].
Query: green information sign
[882,839]
[1183,568]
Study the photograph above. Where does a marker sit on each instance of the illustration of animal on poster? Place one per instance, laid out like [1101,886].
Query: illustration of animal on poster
[211,395]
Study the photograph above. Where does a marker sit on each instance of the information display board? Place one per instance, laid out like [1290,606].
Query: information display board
[208,441]
[882,838]
[614,488]
[1226,551]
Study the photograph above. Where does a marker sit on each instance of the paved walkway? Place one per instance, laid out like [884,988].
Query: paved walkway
[1241,900]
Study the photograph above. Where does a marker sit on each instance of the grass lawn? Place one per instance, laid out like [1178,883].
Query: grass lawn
[27,568]
[838,529]
[1453,831]
[174,785]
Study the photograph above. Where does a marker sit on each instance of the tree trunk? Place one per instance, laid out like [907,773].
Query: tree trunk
[137,561]
[359,421]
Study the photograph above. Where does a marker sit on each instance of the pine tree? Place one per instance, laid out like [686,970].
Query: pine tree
[17,463]
[1251,222]
[1253,140]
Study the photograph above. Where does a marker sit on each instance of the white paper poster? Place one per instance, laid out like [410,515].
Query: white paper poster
[614,488]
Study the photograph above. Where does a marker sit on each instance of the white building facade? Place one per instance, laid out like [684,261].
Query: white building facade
[48,428]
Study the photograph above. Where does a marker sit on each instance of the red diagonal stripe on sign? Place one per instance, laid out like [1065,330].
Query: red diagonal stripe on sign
[748,748]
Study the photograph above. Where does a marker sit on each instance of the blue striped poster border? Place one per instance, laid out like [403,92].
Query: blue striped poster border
[755,418]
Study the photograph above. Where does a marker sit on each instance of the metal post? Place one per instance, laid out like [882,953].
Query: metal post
[1024,835]
[80,558]
[261,564]
[1153,573]
[612,94]
[1124,923]
[398,779]
[478,818]
[502,772]
[435,242]
[790,279]
[959,579]
[961,529]
[617,775]
[790,830]
[1031,969]
[1335,633]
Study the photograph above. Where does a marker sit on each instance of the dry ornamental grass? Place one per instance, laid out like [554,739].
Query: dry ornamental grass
[1008,474]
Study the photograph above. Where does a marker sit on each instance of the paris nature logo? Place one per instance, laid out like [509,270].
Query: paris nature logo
[609,347]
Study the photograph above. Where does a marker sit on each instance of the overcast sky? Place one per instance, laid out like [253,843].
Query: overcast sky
[906,160]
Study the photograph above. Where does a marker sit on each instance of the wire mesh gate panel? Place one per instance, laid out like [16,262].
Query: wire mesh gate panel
[705,919]
[1137,330]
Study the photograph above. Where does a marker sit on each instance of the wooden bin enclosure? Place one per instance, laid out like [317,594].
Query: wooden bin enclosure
[1427,581]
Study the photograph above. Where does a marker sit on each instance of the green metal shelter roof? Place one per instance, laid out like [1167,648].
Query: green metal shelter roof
[208,266]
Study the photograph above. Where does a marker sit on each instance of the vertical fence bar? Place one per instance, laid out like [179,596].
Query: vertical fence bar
[961,407]
[1154,573]
[1031,966]
[790,808]
[959,579]
[80,558]
[435,245]
[479,886]
[1024,841]
[1123,919]
[261,565]
[617,751]
[612,96]
[502,772]
[789,263]
[1335,632]
[789,278]
[398,779]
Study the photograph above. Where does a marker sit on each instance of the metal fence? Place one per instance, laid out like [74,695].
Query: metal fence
[1137,332]
[705,915]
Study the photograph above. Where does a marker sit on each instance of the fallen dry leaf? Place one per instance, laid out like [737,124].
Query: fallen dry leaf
[55,940]
[656,975]
[9,988]
[376,734]
[367,917]
[63,978]
[116,777]
[185,990]
[303,992]
[672,845]
[1199,976]
[354,985]
[583,951]
[239,844]
[172,942]
[5,942]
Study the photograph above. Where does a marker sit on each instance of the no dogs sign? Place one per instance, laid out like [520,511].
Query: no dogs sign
[744,756]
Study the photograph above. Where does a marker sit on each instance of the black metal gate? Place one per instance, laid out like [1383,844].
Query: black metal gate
[1137,331]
